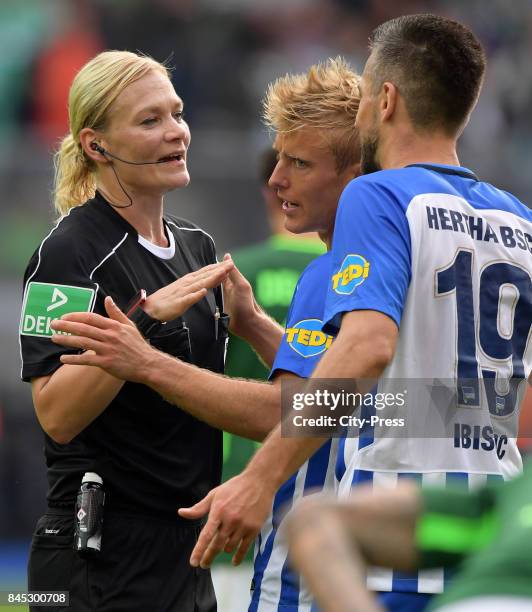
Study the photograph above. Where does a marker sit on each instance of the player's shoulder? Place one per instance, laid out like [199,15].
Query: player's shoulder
[489,196]
[317,265]
[380,188]
[396,182]
[315,270]
[383,194]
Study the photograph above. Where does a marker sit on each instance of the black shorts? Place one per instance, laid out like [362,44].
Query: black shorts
[143,566]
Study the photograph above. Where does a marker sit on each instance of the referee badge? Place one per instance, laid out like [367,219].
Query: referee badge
[44,302]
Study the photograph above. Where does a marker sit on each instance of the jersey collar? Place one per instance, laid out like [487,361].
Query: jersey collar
[443,169]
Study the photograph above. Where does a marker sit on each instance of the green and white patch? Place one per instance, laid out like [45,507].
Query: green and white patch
[45,302]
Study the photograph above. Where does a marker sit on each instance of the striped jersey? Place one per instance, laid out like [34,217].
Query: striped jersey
[275,586]
[449,259]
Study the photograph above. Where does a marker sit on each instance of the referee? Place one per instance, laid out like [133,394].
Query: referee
[127,147]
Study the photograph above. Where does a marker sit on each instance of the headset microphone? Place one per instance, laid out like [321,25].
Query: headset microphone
[96,147]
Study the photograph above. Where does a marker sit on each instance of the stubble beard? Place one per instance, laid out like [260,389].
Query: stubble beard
[368,155]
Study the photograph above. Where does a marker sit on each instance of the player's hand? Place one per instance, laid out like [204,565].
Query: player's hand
[239,301]
[176,298]
[237,510]
[113,344]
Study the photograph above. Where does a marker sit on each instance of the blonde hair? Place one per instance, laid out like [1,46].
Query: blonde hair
[326,98]
[94,89]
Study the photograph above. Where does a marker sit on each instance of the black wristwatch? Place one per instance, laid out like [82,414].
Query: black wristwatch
[147,326]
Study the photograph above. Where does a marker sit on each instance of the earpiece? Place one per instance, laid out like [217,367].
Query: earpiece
[96,147]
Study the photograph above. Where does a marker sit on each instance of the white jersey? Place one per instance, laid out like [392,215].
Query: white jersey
[449,259]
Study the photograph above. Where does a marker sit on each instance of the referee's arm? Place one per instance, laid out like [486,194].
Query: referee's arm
[68,400]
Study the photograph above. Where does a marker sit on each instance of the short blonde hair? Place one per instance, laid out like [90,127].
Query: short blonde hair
[325,98]
[95,87]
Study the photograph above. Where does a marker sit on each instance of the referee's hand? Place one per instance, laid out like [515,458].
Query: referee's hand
[237,510]
[175,299]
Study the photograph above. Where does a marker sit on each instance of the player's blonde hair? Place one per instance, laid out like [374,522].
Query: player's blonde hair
[326,98]
[94,89]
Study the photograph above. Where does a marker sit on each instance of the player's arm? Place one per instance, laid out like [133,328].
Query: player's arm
[331,541]
[237,509]
[71,398]
[368,335]
[246,408]
[404,528]
[248,319]
[332,567]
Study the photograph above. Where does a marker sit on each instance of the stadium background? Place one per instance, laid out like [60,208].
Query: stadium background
[224,53]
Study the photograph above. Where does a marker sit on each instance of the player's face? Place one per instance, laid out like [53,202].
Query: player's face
[307,182]
[145,124]
[367,123]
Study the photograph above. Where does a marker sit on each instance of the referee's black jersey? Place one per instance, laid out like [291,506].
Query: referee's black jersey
[153,457]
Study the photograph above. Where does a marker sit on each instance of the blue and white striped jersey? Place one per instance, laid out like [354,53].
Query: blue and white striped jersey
[449,259]
[275,586]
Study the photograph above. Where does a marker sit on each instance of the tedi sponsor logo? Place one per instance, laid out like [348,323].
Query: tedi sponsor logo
[353,272]
[307,339]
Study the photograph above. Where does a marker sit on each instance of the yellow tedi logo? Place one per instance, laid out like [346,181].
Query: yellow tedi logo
[353,272]
[307,339]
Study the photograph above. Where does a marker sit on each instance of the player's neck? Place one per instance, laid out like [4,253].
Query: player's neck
[418,149]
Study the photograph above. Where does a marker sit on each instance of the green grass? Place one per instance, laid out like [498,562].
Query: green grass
[12,608]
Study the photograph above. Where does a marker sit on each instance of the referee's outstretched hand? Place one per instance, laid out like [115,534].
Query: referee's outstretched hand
[237,510]
[175,299]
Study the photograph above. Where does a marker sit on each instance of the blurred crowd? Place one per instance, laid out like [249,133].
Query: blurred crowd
[224,53]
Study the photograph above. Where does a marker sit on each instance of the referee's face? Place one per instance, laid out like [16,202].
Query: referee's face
[145,124]
[307,182]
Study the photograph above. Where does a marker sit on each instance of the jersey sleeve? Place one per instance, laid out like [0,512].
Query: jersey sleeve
[57,281]
[303,342]
[371,254]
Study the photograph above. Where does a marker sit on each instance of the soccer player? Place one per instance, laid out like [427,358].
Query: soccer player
[484,535]
[430,279]
[313,116]
[272,267]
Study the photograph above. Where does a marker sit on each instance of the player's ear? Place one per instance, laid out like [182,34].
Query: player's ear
[351,172]
[355,170]
[388,98]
